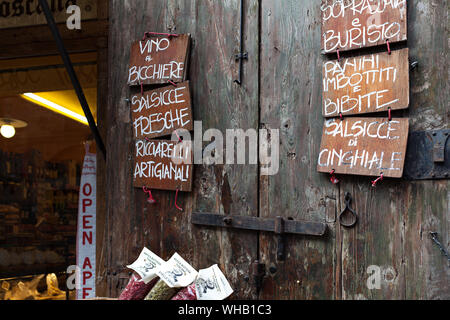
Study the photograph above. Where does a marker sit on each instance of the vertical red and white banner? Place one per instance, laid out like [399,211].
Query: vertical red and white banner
[87,228]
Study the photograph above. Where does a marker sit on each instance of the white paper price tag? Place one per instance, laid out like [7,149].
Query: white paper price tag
[211,284]
[176,272]
[146,265]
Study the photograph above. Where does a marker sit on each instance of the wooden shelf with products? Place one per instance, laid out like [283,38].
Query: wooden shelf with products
[38,212]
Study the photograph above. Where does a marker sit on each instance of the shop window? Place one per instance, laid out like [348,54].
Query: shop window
[42,145]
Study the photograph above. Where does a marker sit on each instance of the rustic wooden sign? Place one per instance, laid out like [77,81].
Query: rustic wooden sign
[364,146]
[366,84]
[159,59]
[163,164]
[17,13]
[353,24]
[161,111]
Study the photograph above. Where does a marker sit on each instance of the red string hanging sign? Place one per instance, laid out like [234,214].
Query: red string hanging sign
[333,178]
[150,199]
[176,205]
[374,183]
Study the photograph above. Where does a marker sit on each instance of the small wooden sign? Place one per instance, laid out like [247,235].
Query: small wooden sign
[163,164]
[364,146]
[161,111]
[366,84]
[159,59]
[354,24]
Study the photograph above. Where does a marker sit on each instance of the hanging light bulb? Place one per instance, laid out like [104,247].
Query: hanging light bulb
[7,131]
[8,127]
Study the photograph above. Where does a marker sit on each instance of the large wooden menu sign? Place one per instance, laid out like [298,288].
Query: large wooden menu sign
[353,24]
[161,111]
[364,146]
[366,84]
[163,164]
[159,59]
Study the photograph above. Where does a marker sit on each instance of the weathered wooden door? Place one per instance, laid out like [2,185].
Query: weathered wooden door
[281,89]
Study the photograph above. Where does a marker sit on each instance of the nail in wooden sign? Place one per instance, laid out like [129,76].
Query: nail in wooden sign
[161,111]
[159,59]
[366,84]
[163,164]
[364,146]
[354,24]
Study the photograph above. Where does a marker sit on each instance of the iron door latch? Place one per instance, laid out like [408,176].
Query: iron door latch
[428,156]
[279,226]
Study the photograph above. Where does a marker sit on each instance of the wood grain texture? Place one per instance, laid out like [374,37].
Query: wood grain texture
[103,125]
[426,270]
[352,24]
[391,238]
[366,84]
[364,146]
[161,111]
[395,218]
[291,67]
[101,169]
[218,103]
[163,165]
[158,59]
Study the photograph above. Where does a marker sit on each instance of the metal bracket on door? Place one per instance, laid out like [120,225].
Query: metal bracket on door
[241,55]
[427,157]
[279,226]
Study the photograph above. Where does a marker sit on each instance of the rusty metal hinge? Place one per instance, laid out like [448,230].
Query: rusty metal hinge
[279,226]
[427,156]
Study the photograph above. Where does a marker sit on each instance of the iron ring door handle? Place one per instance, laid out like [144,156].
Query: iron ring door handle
[352,223]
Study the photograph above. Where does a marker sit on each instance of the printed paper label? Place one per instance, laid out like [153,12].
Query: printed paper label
[211,284]
[176,272]
[146,265]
